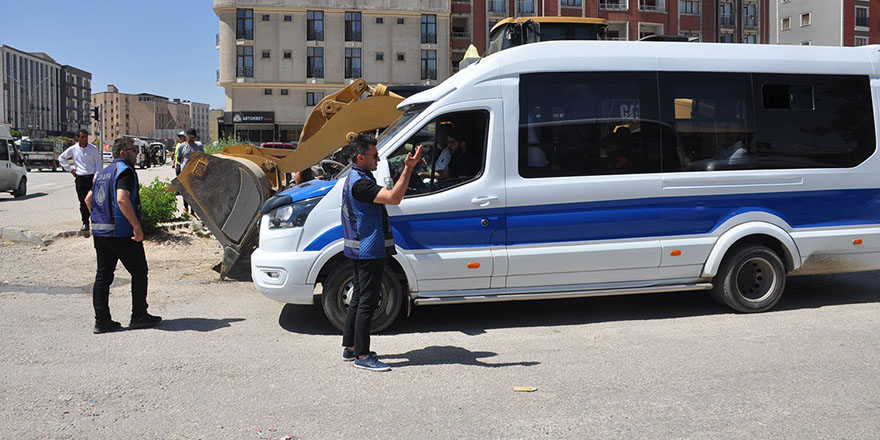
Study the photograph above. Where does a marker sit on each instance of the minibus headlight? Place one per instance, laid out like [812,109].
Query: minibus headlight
[293,215]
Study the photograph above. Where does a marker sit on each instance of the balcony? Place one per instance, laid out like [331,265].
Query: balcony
[496,6]
[612,5]
[651,6]
[750,21]
[315,35]
[461,35]
[245,72]
[429,38]
[243,34]
[727,20]
[350,36]
[862,22]
[525,6]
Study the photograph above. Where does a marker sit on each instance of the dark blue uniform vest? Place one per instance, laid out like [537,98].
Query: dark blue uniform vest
[107,219]
[366,228]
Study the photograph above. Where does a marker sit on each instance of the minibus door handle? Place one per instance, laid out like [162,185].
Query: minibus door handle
[484,200]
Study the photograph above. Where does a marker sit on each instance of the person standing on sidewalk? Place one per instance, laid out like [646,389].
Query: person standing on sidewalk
[368,242]
[181,139]
[186,150]
[115,206]
[86,163]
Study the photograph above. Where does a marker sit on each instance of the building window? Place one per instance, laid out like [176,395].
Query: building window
[283,92]
[399,21]
[380,20]
[862,17]
[750,39]
[352,62]
[429,64]
[805,19]
[525,6]
[725,38]
[498,5]
[380,56]
[315,62]
[805,43]
[401,56]
[861,41]
[267,91]
[287,54]
[313,98]
[245,62]
[244,24]
[750,15]
[727,18]
[429,29]
[266,54]
[352,26]
[786,23]
[576,3]
[315,26]
[265,17]
[689,6]
[288,18]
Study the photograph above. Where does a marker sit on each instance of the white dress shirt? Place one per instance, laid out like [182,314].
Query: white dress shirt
[85,160]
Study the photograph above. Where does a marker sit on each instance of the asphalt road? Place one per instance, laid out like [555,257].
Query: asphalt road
[229,363]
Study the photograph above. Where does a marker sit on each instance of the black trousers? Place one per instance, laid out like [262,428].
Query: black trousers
[110,250]
[364,299]
[83,186]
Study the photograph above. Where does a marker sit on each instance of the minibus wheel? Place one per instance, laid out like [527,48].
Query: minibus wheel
[21,191]
[751,278]
[337,290]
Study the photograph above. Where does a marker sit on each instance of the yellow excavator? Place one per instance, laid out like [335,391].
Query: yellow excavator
[227,190]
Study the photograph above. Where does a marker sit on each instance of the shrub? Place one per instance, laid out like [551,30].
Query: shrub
[157,206]
[220,145]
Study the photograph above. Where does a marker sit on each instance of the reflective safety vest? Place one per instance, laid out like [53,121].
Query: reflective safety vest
[366,228]
[107,219]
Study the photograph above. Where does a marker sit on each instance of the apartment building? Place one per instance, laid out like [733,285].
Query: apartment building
[76,99]
[31,92]
[199,117]
[727,21]
[825,23]
[278,60]
[143,115]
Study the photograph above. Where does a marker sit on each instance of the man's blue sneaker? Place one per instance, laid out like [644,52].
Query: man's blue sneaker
[372,363]
[348,355]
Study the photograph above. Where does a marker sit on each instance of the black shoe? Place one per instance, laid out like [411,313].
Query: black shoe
[85,227]
[145,321]
[111,326]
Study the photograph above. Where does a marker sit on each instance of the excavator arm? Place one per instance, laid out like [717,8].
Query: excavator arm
[227,190]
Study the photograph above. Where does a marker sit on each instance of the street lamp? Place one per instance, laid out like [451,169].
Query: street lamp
[28,94]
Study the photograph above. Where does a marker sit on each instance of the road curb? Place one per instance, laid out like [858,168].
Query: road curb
[25,236]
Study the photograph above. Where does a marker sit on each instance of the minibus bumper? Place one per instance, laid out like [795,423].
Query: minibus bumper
[282,276]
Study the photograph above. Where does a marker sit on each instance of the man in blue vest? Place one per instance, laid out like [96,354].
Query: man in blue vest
[115,207]
[366,229]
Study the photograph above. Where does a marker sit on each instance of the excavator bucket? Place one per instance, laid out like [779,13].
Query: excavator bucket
[226,193]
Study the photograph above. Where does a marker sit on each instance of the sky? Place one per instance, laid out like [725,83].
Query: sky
[163,47]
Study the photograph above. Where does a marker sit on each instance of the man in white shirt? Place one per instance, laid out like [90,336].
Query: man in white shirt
[86,163]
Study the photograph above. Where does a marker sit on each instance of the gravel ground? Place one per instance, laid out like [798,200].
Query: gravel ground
[228,363]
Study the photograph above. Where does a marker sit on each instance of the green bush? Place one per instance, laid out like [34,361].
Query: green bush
[223,143]
[157,206]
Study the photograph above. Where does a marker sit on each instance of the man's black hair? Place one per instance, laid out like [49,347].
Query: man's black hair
[360,145]
[82,131]
[119,144]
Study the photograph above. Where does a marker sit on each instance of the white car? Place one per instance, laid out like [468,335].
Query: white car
[13,175]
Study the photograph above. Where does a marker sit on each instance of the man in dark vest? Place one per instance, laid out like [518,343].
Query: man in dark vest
[366,229]
[115,207]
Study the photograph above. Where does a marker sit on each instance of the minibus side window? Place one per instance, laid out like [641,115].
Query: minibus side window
[588,123]
[453,152]
[813,121]
[4,150]
[711,119]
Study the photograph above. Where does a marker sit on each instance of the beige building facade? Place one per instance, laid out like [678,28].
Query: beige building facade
[143,115]
[278,60]
[30,99]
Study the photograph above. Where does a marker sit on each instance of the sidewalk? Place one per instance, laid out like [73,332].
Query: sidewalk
[52,211]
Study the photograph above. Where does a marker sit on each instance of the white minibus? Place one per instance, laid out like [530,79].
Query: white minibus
[602,168]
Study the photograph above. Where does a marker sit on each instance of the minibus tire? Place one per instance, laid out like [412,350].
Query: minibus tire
[390,301]
[21,191]
[751,279]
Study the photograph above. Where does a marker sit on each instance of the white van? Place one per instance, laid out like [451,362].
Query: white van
[606,168]
[13,175]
